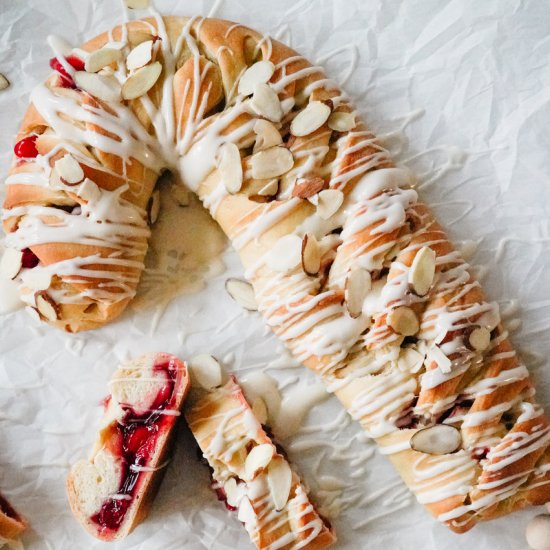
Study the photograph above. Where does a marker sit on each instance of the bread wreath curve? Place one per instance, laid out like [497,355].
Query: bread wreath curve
[349,268]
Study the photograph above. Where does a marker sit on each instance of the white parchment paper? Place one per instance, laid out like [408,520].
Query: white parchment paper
[460,92]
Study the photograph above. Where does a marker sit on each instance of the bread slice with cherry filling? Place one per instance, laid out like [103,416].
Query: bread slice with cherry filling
[252,475]
[110,493]
[12,524]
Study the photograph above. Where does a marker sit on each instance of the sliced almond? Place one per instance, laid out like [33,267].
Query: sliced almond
[246,512]
[242,292]
[410,360]
[230,167]
[311,255]
[310,119]
[477,339]
[341,122]
[403,320]
[101,58]
[259,408]
[104,87]
[69,170]
[267,135]
[265,102]
[443,362]
[279,480]
[270,189]
[358,284]
[36,279]
[47,308]
[180,194]
[206,371]
[329,202]
[140,55]
[137,4]
[141,81]
[231,492]
[153,207]
[271,163]
[440,439]
[422,272]
[11,263]
[306,188]
[285,254]
[258,73]
[4,82]
[89,191]
[258,458]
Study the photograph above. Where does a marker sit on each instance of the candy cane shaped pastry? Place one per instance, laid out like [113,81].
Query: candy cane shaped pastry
[252,475]
[12,524]
[110,493]
[350,269]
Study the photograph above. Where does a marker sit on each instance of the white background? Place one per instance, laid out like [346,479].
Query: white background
[460,90]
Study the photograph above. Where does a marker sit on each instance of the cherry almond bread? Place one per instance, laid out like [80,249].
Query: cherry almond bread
[110,493]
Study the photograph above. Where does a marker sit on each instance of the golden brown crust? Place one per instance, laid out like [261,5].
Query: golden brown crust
[12,524]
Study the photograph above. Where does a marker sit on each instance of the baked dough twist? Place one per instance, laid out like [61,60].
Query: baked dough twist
[350,270]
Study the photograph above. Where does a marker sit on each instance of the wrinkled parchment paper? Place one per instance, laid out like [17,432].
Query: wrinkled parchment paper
[460,92]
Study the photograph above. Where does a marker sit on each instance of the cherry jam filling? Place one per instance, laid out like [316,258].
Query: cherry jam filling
[6,508]
[65,79]
[29,259]
[26,148]
[137,436]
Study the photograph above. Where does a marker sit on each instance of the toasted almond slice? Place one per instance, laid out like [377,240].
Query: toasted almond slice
[11,263]
[271,163]
[358,284]
[242,292]
[329,202]
[104,87]
[310,119]
[230,167]
[279,480]
[403,320]
[341,122]
[141,81]
[259,408]
[265,102]
[89,191]
[140,55]
[443,362]
[4,82]
[311,255]
[246,512]
[153,207]
[258,458]
[69,170]
[285,254]
[270,188]
[206,371]
[307,187]
[137,4]
[231,492]
[477,339]
[259,72]
[180,194]
[440,439]
[422,272]
[267,135]
[45,305]
[410,360]
[101,58]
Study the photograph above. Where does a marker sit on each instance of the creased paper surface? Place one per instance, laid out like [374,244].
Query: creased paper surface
[460,92]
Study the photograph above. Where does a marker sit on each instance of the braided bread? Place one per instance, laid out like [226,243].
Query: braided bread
[350,270]
[252,475]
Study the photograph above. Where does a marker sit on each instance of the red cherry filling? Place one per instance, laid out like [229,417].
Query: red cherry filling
[6,509]
[29,259]
[26,148]
[65,79]
[138,436]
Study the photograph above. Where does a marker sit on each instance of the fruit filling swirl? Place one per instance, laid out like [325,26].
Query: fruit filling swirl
[134,439]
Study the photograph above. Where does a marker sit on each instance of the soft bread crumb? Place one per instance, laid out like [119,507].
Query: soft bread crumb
[95,481]
[135,384]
